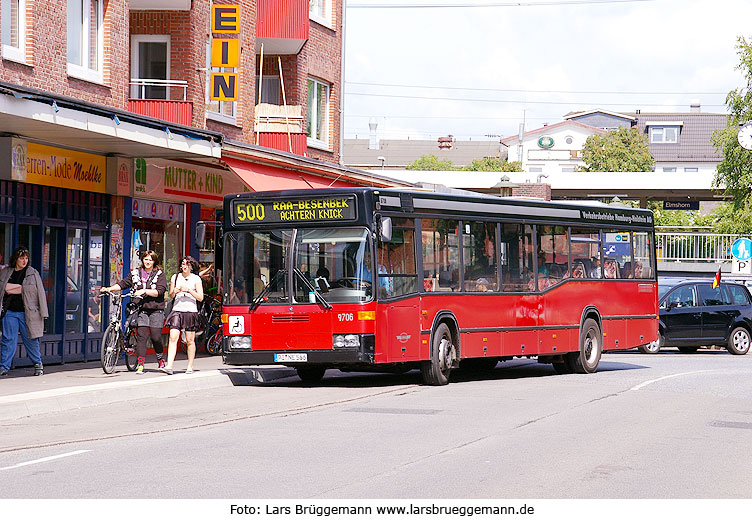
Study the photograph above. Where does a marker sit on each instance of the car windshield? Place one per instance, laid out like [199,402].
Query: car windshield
[329,265]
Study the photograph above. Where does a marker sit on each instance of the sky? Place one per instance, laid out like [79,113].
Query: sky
[477,69]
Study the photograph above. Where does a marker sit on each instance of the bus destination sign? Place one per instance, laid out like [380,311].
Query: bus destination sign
[312,210]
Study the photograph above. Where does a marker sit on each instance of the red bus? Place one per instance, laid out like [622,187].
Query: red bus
[392,280]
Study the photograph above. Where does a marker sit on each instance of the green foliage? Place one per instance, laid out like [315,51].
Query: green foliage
[431,163]
[735,170]
[732,219]
[622,150]
[493,165]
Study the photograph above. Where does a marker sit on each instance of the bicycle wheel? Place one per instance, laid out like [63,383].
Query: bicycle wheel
[214,344]
[111,346]
[131,355]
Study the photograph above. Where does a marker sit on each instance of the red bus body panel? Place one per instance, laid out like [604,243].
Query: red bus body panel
[490,324]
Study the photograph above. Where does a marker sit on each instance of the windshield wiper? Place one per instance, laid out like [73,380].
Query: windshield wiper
[260,296]
[321,298]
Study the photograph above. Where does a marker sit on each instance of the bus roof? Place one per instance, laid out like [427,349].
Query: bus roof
[465,203]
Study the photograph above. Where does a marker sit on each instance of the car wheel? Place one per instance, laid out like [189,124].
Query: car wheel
[652,347]
[739,341]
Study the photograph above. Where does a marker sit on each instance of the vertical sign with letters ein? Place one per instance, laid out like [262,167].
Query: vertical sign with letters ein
[225,52]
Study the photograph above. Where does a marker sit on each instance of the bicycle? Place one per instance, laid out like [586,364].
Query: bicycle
[114,342]
[211,317]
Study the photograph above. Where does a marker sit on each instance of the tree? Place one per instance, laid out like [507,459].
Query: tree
[431,163]
[734,173]
[490,164]
[622,150]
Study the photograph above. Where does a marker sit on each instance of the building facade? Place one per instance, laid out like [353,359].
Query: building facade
[110,144]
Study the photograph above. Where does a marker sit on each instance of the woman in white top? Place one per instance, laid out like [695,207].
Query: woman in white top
[187,290]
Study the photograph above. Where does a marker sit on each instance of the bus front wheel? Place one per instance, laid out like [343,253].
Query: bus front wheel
[310,373]
[443,355]
[591,345]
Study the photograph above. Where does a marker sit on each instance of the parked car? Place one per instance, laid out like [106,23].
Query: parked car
[693,314]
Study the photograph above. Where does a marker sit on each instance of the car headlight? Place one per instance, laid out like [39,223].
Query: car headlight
[240,343]
[346,341]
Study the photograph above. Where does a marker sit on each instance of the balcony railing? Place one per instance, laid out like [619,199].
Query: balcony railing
[161,99]
[694,247]
[281,128]
[282,26]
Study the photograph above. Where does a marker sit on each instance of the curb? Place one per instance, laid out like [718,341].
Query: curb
[67,398]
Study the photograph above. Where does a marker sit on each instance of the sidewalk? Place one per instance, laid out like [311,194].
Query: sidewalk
[78,385]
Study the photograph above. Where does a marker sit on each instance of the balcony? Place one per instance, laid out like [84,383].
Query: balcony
[282,26]
[280,128]
[161,99]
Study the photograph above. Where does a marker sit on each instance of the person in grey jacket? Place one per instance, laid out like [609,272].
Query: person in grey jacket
[24,307]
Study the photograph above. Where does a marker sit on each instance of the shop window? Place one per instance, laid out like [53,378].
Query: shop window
[13,20]
[74,280]
[96,280]
[479,257]
[50,256]
[318,113]
[441,255]
[85,40]
[7,201]
[163,237]
[5,248]
[29,200]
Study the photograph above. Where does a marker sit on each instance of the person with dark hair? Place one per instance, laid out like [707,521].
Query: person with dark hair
[24,308]
[187,289]
[149,285]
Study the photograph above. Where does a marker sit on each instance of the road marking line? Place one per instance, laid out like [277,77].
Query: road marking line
[46,459]
[648,382]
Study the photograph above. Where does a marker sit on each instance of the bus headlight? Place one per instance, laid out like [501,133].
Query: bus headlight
[342,341]
[240,343]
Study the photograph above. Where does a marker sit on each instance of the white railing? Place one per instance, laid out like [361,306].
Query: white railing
[138,88]
[696,247]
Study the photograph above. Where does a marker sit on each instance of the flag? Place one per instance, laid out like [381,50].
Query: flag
[717,278]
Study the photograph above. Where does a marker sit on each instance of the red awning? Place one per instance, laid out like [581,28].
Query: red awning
[261,177]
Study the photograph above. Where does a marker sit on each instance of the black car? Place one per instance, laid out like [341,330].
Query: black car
[693,314]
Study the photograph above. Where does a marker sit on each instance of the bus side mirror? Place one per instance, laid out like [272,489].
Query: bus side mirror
[200,235]
[386,229]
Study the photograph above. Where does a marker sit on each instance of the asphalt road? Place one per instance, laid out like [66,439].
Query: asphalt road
[644,426]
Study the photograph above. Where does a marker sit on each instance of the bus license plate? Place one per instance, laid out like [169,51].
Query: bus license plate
[291,357]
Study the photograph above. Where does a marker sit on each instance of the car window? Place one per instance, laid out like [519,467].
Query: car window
[683,297]
[738,295]
[714,296]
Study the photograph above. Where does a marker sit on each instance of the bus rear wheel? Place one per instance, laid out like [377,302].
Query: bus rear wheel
[310,373]
[591,346]
[443,355]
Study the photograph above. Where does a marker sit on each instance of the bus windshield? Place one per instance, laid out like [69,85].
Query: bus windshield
[333,264]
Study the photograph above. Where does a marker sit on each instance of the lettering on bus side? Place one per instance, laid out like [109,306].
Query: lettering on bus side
[248,211]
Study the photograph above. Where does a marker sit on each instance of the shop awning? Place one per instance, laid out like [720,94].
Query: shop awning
[260,177]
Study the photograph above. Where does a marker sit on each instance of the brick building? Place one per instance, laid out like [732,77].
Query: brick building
[110,144]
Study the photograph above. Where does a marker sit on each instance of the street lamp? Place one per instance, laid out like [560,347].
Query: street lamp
[382,159]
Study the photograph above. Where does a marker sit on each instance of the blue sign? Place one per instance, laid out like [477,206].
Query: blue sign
[742,248]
